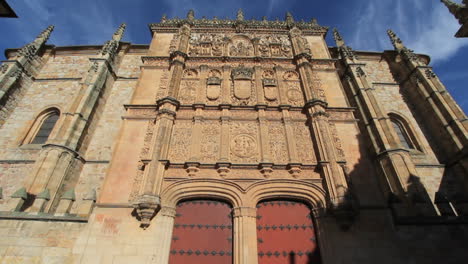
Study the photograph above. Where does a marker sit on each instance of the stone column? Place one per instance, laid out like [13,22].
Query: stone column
[316,108]
[245,235]
[164,223]
[223,165]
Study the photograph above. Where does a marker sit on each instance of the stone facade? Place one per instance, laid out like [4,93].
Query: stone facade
[460,11]
[239,111]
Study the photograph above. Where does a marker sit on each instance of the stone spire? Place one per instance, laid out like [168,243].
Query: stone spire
[338,39]
[110,48]
[400,47]
[191,14]
[346,51]
[452,6]
[289,18]
[240,15]
[29,51]
[118,35]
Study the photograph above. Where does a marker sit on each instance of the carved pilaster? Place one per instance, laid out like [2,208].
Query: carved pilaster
[245,240]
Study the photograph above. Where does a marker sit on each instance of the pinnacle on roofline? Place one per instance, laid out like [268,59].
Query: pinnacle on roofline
[45,34]
[118,34]
[191,14]
[396,41]
[338,39]
[240,15]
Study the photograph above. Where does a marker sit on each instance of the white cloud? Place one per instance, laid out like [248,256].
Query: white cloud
[425,26]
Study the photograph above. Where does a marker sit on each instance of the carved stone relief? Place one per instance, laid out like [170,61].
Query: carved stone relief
[241,47]
[337,141]
[205,44]
[180,141]
[304,145]
[244,144]
[163,83]
[144,155]
[278,148]
[270,87]
[243,85]
[174,43]
[188,91]
[213,85]
[274,46]
[210,141]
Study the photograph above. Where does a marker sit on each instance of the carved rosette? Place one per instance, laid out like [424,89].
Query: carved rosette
[293,89]
[244,142]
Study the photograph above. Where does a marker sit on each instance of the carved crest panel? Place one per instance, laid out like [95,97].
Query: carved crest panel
[188,91]
[304,145]
[277,138]
[243,86]
[181,141]
[210,141]
[241,46]
[244,143]
[213,85]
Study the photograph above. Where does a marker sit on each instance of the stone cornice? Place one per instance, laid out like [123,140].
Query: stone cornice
[207,24]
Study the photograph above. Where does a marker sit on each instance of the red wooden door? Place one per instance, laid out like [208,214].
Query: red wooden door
[202,233]
[286,234]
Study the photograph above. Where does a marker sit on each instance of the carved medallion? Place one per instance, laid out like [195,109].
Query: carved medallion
[294,94]
[243,146]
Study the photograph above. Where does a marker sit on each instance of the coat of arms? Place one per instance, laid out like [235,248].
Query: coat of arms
[242,78]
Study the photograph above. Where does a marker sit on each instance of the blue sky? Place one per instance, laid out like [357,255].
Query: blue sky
[424,25]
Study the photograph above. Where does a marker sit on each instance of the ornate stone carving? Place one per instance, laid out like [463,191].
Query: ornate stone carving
[188,91]
[244,144]
[190,74]
[429,73]
[163,83]
[278,148]
[291,76]
[144,155]
[241,47]
[337,141]
[174,43]
[242,84]
[294,94]
[180,141]
[304,145]
[210,141]
[274,46]
[213,85]
[3,68]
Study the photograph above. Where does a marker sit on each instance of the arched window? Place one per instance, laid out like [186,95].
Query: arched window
[404,133]
[42,127]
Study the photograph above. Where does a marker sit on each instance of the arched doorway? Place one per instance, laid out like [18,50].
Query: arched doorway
[286,233]
[202,233]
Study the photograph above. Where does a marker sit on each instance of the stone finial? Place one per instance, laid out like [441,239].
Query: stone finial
[118,34]
[240,15]
[191,14]
[396,41]
[338,39]
[289,18]
[164,18]
[45,34]
[30,50]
